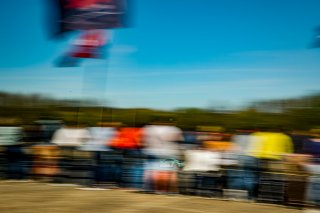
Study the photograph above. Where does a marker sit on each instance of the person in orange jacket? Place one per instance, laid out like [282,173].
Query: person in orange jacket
[127,143]
[127,138]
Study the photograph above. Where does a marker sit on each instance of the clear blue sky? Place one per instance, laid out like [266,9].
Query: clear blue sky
[178,53]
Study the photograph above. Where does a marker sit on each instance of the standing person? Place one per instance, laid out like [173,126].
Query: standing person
[14,152]
[299,141]
[101,135]
[244,174]
[71,136]
[73,163]
[202,171]
[162,151]
[266,151]
[312,147]
[128,143]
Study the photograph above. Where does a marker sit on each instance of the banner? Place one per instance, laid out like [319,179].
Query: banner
[91,14]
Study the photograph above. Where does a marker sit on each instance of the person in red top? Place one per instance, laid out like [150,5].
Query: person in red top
[128,142]
[127,138]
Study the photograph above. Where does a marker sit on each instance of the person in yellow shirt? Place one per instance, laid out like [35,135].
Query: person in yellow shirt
[270,145]
[263,151]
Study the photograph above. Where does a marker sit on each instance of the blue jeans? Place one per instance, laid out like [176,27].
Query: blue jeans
[251,170]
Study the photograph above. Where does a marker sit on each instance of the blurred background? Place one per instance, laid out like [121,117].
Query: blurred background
[214,98]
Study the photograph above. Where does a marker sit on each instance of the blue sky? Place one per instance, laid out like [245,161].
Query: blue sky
[177,53]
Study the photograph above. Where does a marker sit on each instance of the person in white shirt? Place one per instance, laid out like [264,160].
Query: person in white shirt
[99,138]
[201,171]
[201,160]
[161,141]
[72,160]
[161,147]
[71,136]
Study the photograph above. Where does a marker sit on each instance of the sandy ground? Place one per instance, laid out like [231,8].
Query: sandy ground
[17,197]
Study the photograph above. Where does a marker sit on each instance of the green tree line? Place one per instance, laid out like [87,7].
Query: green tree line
[301,113]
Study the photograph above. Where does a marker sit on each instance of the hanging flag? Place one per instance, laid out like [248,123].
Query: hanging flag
[91,14]
[90,17]
[90,44]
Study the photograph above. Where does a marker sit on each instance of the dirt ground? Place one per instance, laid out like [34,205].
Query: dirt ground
[34,197]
